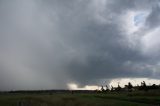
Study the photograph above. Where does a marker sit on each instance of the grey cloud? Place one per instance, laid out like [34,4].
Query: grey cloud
[48,44]
[153,18]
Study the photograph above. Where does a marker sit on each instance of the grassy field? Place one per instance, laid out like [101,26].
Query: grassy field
[78,99]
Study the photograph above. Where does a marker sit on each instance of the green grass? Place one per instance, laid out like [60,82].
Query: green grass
[77,99]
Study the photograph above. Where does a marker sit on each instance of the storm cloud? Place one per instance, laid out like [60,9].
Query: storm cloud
[47,44]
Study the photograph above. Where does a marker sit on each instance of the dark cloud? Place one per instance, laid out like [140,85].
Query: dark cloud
[49,44]
[154,17]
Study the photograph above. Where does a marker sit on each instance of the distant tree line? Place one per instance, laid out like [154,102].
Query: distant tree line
[129,87]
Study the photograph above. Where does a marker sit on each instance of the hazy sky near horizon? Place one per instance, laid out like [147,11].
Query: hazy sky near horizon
[48,44]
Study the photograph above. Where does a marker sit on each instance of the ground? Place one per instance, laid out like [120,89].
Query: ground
[150,98]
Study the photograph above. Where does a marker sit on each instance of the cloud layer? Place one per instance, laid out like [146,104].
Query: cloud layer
[48,44]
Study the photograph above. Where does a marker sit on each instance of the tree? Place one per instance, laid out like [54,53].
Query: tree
[102,89]
[129,86]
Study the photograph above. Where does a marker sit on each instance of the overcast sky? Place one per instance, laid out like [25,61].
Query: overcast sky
[48,44]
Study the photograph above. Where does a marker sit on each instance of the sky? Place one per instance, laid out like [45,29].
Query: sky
[78,44]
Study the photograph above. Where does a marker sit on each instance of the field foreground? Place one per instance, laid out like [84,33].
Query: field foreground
[151,98]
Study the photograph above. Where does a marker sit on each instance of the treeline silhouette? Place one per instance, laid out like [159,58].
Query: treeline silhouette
[130,87]
[127,88]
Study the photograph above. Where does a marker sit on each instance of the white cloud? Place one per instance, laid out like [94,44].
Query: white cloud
[151,42]
[73,86]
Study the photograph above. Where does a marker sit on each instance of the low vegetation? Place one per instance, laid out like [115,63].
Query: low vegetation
[136,98]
